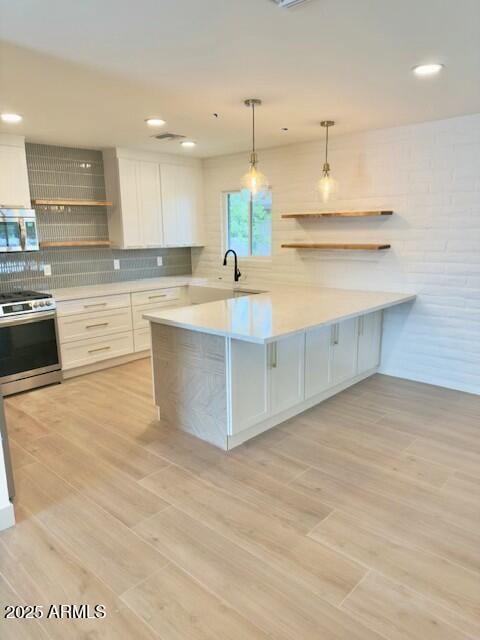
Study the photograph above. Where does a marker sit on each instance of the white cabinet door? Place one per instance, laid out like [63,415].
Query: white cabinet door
[130,204]
[287,371]
[198,219]
[248,384]
[369,341]
[182,199]
[14,189]
[318,351]
[148,185]
[344,355]
[168,174]
[185,205]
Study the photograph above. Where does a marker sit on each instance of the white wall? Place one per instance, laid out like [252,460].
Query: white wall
[429,174]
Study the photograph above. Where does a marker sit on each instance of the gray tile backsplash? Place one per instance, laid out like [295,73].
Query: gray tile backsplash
[63,172]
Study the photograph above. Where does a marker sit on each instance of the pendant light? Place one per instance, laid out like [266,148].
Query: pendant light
[254,181]
[327,185]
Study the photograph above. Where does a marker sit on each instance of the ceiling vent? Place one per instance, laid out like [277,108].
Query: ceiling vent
[288,3]
[168,136]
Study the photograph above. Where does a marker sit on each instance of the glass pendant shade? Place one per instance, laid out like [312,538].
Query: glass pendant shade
[254,181]
[327,185]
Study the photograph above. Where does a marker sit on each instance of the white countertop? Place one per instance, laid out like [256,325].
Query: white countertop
[283,311]
[279,311]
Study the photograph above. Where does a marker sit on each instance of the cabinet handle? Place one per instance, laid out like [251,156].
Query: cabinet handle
[360,326]
[335,334]
[99,349]
[273,354]
[96,304]
[100,324]
[160,295]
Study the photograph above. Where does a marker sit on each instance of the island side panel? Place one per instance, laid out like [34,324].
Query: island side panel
[190,381]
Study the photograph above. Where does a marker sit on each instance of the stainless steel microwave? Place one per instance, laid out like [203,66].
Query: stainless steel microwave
[18,230]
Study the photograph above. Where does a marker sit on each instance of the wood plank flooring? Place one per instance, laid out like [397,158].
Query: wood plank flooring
[357,520]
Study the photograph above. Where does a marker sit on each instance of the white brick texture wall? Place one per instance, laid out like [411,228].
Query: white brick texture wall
[429,174]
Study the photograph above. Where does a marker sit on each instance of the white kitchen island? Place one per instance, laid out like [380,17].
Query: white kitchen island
[230,369]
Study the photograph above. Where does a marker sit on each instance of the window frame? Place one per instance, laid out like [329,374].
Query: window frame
[225,227]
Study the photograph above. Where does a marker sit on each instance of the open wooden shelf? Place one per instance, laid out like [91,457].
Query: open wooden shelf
[45,202]
[337,214]
[334,246]
[48,244]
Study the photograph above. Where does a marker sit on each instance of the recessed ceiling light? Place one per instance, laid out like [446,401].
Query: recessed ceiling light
[188,144]
[427,69]
[11,118]
[155,122]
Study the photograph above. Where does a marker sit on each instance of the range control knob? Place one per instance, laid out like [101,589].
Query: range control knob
[41,303]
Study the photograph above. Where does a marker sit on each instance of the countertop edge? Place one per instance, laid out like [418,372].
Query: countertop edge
[154,318]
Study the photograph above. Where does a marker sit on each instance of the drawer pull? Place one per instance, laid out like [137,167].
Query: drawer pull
[160,295]
[99,324]
[96,304]
[99,349]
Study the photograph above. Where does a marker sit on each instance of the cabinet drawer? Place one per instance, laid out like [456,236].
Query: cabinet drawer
[157,295]
[139,321]
[141,339]
[89,305]
[90,325]
[83,352]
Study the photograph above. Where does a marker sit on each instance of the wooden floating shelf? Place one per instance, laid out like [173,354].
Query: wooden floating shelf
[74,243]
[44,202]
[334,246]
[337,214]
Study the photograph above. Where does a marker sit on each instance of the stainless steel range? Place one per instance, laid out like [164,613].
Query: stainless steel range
[29,355]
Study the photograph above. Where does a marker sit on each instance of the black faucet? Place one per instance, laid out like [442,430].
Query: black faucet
[237,274]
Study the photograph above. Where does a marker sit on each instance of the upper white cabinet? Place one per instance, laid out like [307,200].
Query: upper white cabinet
[154,204]
[369,341]
[14,188]
[149,196]
[182,197]
[133,186]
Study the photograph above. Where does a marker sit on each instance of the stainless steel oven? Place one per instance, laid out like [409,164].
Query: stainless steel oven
[29,355]
[18,230]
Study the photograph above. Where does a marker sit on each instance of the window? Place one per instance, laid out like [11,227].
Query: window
[249,223]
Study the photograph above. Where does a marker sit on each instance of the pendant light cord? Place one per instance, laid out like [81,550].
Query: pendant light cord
[253,127]
[326,146]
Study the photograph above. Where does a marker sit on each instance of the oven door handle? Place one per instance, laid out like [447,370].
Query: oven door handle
[15,321]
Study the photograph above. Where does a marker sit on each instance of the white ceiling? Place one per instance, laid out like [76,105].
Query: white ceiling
[88,73]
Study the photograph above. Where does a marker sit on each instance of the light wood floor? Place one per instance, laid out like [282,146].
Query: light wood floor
[358,520]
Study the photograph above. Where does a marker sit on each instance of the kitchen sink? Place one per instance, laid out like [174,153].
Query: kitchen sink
[199,294]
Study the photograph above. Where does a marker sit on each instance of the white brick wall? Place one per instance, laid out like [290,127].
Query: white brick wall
[429,174]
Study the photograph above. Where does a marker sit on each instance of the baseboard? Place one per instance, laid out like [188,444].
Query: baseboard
[7,517]
[257,429]
[432,382]
[105,364]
